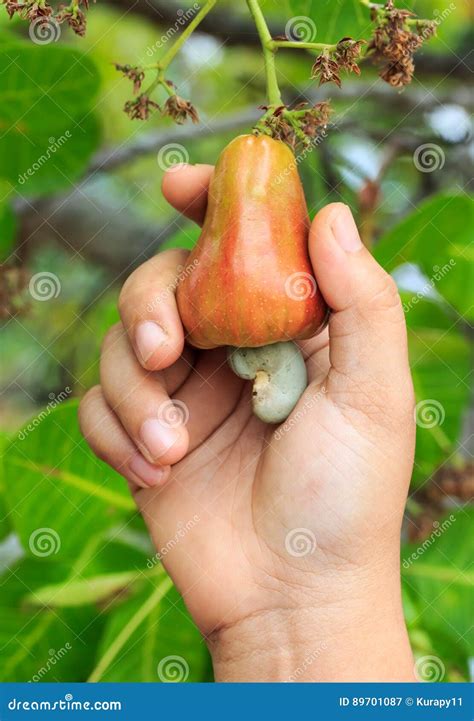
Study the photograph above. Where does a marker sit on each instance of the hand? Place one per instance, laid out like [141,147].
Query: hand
[293,552]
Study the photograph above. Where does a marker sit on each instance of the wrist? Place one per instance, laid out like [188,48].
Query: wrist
[358,635]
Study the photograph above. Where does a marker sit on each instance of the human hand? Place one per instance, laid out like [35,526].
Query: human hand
[295,553]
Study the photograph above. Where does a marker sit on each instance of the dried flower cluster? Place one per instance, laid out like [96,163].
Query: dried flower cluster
[34,10]
[175,107]
[301,124]
[394,44]
[329,64]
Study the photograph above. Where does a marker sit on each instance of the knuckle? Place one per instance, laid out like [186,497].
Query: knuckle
[386,296]
[86,406]
[115,331]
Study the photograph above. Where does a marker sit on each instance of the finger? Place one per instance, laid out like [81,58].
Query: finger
[209,395]
[109,441]
[140,401]
[367,327]
[185,188]
[148,310]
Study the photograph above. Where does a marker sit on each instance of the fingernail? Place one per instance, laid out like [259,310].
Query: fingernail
[149,337]
[158,438]
[149,474]
[345,230]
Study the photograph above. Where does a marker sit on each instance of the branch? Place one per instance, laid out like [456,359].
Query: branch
[236,30]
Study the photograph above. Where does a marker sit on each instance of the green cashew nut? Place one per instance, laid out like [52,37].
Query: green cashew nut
[279,376]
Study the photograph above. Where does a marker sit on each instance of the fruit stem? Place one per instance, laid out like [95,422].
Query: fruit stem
[302,45]
[273,90]
[189,29]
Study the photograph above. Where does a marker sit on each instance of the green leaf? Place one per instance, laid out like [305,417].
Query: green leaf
[43,645]
[438,237]
[440,363]
[150,629]
[59,494]
[439,574]
[78,592]
[330,21]
[48,129]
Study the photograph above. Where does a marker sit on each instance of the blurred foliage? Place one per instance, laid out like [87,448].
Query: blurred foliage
[98,593]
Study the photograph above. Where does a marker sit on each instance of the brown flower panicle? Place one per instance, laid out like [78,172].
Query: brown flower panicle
[180,110]
[134,73]
[140,108]
[393,43]
[326,69]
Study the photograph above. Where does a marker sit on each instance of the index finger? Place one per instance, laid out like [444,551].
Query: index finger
[148,310]
[185,188]
[147,302]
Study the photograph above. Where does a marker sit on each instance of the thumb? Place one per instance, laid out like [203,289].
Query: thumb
[367,330]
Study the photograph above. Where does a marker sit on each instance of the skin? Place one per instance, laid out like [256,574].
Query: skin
[339,468]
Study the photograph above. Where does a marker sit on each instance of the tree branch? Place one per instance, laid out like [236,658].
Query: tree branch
[232,29]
